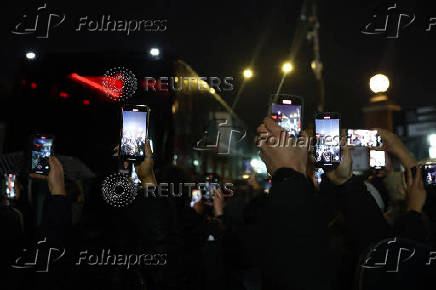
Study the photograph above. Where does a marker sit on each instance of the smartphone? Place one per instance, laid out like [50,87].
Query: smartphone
[360,158]
[429,174]
[246,166]
[367,138]
[134,132]
[286,110]
[134,176]
[125,167]
[327,136]
[196,197]
[10,185]
[377,159]
[42,149]
[211,183]
[267,185]
[318,175]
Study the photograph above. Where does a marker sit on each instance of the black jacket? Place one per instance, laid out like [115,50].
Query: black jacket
[294,235]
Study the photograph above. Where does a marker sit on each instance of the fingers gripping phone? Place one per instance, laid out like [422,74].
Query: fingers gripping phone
[134,132]
[327,134]
[286,110]
[42,149]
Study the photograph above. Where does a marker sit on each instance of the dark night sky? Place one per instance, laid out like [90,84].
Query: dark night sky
[220,38]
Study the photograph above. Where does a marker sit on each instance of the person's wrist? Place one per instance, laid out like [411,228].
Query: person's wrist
[300,168]
[58,191]
[403,154]
[149,179]
[338,180]
[218,212]
[407,160]
[415,208]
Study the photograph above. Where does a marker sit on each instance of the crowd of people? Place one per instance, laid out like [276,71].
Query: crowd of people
[132,142]
[372,231]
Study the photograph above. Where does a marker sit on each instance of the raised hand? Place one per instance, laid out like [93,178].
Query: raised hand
[393,144]
[344,171]
[277,154]
[55,178]
[144,170]
[416,193]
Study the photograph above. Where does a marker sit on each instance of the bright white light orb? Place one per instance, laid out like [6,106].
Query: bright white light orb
[379,83]
[154,51]
[30,55]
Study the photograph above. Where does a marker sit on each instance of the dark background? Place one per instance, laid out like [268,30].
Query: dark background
[221,38]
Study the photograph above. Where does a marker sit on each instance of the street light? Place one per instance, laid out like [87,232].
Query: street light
[379,83]
[30,55]
[154,51]
[248,73]
[287,67]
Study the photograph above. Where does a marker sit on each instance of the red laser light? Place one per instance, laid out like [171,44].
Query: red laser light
[96,83]
[64,95]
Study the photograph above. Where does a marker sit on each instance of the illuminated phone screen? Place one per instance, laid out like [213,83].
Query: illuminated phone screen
[377,159]
[41,151]
[327,148]
[134,133]
[288,117]
[429,173]
[367,138]
[10,185]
